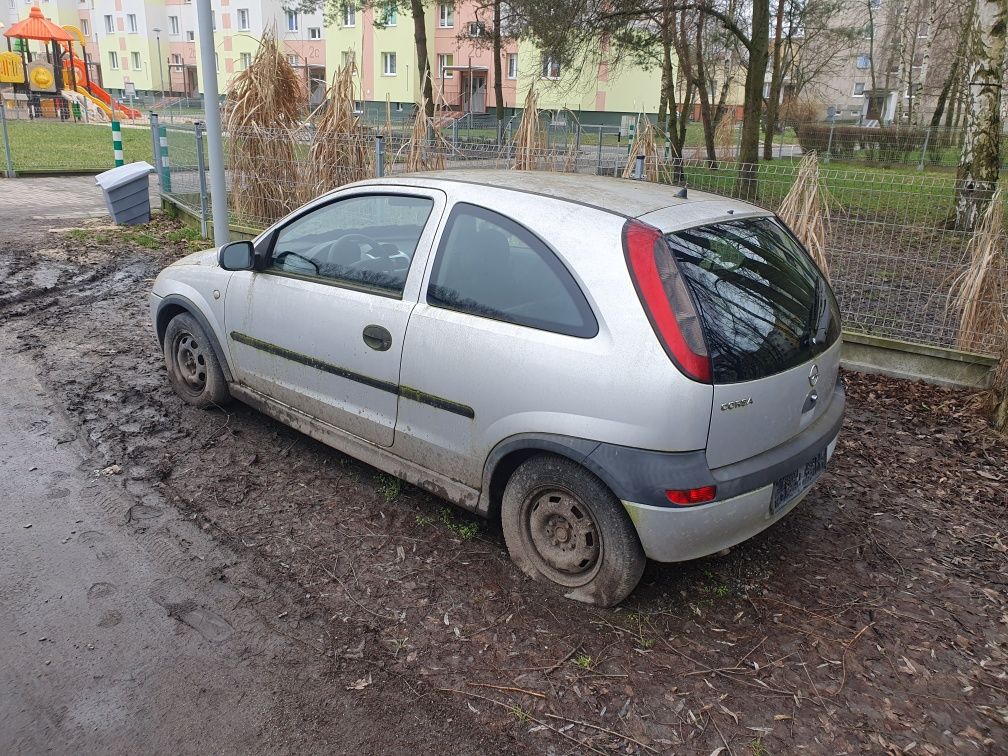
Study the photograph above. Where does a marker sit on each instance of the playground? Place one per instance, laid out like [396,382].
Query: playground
[49,79]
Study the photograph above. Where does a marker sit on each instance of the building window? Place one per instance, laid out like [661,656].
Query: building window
[389,17]
[243,19]
[876,4]
[131,23]
[190,36]
[85,27]
[388,63]
[349,15]
[173,25]
[474,29]
[858,89]
[216,62]
[294,60]
[863,61]
[923,29]
[349,57]
[550,67]
[512,66]
[113,60]
[135,61]
[314,32]
[246,60]
[109,25]
[443,62]
[292,21]
[213,20]
[176,59]
[447,18]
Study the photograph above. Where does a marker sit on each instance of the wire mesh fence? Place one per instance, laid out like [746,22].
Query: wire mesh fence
[893,247]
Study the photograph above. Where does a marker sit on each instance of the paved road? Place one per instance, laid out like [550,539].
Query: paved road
[54,199]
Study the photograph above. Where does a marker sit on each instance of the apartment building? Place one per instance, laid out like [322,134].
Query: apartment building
[151,46]
[463,71]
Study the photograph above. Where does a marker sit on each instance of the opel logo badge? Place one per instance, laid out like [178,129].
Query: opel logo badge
[813,376]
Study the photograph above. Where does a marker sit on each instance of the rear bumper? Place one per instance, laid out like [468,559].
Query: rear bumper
[676,535]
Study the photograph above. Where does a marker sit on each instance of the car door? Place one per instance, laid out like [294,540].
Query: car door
[320,325]
[500,328]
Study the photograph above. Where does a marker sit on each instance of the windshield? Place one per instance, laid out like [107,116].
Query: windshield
[764,304]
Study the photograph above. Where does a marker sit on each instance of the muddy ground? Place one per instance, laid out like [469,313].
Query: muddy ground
[873,618]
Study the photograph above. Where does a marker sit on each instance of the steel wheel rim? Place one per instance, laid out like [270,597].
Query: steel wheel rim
[563,537]
[190,362]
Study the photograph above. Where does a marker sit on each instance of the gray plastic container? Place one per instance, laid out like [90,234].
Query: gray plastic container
[127,193]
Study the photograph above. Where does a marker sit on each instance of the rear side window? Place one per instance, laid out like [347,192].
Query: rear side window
[490,266]
[764,305]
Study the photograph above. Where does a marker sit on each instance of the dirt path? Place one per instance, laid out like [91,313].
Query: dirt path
[874,618]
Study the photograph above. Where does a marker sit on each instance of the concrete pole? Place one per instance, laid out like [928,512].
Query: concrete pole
[211,105]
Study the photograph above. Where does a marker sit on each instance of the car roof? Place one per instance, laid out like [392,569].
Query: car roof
[623,197]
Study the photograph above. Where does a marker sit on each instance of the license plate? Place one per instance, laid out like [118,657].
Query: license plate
[793,484]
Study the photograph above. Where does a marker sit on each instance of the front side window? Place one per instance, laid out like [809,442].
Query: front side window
[763,304]
[365,242]
[490,266]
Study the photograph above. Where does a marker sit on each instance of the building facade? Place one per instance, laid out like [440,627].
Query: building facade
[150,47]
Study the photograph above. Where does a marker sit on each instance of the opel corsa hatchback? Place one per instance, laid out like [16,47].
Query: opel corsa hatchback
[612,369]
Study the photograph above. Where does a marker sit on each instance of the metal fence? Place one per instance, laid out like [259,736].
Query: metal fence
[892,251]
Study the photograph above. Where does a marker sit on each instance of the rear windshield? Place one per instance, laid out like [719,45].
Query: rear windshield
[765,306]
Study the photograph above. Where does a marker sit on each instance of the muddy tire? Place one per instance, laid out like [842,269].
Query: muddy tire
[564,527]
[193,369]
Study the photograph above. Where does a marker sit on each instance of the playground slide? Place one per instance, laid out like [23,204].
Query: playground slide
[99,95]
[95,107]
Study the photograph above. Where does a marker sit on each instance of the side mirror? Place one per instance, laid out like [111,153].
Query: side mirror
[239,255]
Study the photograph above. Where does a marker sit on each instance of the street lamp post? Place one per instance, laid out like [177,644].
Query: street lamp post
[160,63]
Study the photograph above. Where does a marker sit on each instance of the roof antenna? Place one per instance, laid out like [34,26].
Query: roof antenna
[681,194]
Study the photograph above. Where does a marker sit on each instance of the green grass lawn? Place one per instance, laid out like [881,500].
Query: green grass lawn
[52,146]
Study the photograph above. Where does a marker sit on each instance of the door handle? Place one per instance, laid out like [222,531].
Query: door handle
[377,338]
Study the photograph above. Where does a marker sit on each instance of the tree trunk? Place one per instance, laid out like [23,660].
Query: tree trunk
[706,116]
[746,186]
[423,60]
[498,83]
[943,95]
[776,79]
[980,160]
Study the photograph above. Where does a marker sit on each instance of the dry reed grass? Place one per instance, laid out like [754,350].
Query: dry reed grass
[645,143]
[724,138]
[342,149]
[980,292]
[806,210]
[425,147]
[266,102]
[529,141]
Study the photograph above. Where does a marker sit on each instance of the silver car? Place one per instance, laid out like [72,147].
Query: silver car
[611,369]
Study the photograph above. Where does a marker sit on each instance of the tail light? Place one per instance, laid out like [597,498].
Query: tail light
[666,300]
[687,497]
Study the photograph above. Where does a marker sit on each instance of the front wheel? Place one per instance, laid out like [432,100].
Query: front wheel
[193,369]
[563,526]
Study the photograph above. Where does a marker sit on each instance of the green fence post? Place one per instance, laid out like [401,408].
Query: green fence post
[117,143]
[165,168]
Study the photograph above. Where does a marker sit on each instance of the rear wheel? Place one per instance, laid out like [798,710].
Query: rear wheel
[563,526]
[193,369]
